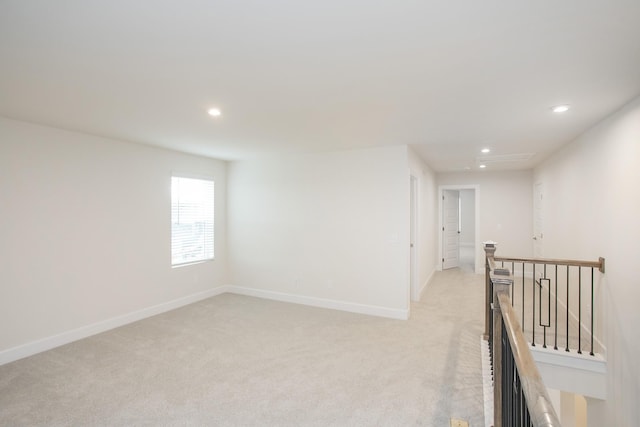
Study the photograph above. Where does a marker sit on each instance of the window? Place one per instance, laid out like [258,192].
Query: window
[191,220]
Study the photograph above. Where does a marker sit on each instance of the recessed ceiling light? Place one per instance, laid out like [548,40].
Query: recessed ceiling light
[560,108]
[482,166]
[214,112]
[485,150]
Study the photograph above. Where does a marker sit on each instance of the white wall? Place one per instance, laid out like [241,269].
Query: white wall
[85,234]
[467,217]
[327,227]
[427,244]
[591,209]
[505,203]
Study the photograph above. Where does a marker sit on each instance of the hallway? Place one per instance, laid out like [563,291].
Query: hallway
[452,307]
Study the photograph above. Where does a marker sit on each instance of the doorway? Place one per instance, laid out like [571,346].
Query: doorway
[413,238]
[459,219]
[538,234]
[450,229]
[467,257]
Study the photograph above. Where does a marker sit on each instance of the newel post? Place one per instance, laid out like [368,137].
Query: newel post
[489,250]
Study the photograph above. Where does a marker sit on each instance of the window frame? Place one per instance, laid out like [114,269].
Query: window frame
[208,250]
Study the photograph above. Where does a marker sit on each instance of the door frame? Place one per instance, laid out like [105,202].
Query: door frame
[450,204]
[538,223]
[414,207]
[479,257]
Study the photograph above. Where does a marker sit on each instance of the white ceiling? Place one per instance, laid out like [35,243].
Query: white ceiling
[447,77]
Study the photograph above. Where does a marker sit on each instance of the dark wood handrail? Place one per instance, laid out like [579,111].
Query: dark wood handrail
[515,348]
[574,263]
[540,407]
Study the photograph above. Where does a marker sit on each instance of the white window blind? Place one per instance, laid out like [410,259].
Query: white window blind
[191,220]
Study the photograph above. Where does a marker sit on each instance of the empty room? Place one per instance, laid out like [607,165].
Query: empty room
[306,213]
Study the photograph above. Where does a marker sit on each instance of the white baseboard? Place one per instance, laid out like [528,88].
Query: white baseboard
[44,344]
[372,310]
[48,343]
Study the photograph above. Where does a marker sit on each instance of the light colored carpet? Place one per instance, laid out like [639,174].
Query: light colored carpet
[240,361]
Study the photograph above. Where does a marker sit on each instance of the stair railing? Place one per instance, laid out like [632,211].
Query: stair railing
[520,396]
[555,300]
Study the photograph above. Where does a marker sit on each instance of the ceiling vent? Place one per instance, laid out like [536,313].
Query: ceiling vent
[505,158]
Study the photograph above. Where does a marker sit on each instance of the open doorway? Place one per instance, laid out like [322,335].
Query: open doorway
[459,227]
[414,293]
[467,220]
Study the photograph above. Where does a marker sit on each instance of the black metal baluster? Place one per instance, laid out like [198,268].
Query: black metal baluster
[512,383]
[546,324]
[523,287]
[567,318]
[533,307]
[513,271]
[592,332]
[491,324]
[526,415]
[506,383]
[579,310]
[515,394]
[555,342]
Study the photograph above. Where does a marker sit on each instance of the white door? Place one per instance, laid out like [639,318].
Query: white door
[538,235]
[450,228]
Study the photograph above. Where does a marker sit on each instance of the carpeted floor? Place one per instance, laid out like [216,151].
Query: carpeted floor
[241,361]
